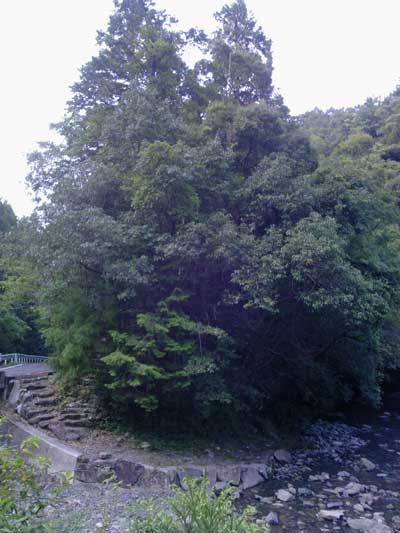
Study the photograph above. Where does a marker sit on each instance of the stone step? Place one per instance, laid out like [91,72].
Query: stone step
[71,410]
[71,416]
[45,417]
[44,424]
[35,378]
[39,385]
[46,401]
[38,379]
[45,393]
[82,422]
[32,412]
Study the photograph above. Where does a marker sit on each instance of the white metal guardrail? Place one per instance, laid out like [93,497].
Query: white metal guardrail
[20,358]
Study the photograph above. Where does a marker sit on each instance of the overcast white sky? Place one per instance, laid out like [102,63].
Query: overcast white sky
[327,53]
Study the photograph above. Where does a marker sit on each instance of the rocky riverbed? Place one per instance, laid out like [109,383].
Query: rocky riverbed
[344,477]
[347,480]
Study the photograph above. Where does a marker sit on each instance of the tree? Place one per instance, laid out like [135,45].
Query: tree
[241,59]
[7,217]
[19,317]
[195,251]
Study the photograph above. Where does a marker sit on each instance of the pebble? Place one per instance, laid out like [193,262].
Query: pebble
[367,464]
[282,456]
[272,519]
[284,495]
[326,514]
[353,489]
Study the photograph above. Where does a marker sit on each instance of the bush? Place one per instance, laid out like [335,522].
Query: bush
[25,490]
[196,510]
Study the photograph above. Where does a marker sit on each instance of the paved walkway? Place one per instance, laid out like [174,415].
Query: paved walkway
[24,370]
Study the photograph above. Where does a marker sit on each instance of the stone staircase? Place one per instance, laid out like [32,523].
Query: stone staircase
[41,405]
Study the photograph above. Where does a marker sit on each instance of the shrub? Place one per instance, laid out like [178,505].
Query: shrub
[24,489]
[196,510]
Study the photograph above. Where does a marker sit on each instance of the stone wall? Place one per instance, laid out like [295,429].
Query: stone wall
[38,401]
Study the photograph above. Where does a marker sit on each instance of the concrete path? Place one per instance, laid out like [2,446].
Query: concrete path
[24,370]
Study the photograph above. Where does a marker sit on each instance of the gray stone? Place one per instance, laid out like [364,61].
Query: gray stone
[251,476]
[15,393]
[367,464]
[267,500]
[104,456]
[353,488]
[330,515]
[127,472]
[171,475]
[193,472]
[319,477]
[367,525]
[272,519]
[282,456]
[284,495]
[304,491]
[72,436]
[230,474]
[219,486]
[334,505]
[211,474]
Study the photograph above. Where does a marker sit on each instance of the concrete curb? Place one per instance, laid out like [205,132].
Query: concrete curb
[63,458]
[95,470]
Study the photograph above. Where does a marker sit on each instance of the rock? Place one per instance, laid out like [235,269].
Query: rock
[251,476]
[353,488]
[220,486]
[320,477]
[15,393]
[367,499]
[326,514]
[304,491]
[72,436]
[367,464]
[229,474]
[170,474]
[272,519]
[129,473]
[284,495]
[211,474]
[282,456]
[334,505]
[193,472]
[104,456]
[367,525]
[266,500]
[308,503]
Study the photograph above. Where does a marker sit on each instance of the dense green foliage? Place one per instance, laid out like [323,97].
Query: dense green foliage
[200,252]
[196,510]
[25,491]
[19,330]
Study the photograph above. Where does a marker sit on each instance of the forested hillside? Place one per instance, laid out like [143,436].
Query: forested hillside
[203,254]
[19,326]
